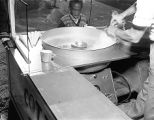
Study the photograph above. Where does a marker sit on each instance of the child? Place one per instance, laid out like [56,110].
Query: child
[75,17]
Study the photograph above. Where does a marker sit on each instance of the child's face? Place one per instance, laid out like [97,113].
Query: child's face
[76,10]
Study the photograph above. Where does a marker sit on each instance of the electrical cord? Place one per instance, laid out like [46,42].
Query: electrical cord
[126,81]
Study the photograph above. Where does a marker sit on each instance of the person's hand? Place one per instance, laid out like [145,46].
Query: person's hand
[117,19]
[110,31]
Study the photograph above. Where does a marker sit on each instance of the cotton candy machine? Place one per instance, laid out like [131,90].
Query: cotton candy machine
[79,44]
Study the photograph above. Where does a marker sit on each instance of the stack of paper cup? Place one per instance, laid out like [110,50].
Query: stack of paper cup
[46,55]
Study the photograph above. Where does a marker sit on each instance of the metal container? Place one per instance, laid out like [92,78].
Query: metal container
[78,43]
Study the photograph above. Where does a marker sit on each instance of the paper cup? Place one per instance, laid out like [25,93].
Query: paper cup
[46,55]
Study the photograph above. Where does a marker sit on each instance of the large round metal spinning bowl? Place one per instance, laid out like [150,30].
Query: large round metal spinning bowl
[77,38]
[77,43]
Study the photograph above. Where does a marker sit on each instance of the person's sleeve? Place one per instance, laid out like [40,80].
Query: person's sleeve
[144,15]
[61,24]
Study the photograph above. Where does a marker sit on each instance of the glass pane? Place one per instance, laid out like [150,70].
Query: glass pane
[37,10]
[45,14]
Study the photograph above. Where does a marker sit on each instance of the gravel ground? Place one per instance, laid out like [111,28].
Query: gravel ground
[3,66]
[4,94]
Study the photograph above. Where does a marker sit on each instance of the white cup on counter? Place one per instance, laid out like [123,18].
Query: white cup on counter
[47,55]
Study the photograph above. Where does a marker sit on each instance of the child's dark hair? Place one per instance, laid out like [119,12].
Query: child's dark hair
[73,2]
